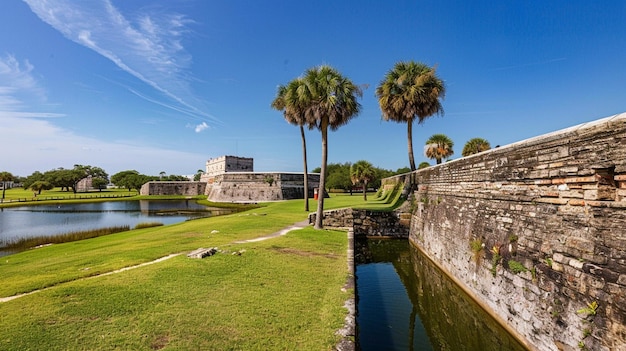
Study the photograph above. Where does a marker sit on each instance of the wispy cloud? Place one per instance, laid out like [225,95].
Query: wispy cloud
[19,90]
[148,46]
[44,146]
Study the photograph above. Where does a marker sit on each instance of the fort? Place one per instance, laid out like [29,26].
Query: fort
[232,179]
[534,231]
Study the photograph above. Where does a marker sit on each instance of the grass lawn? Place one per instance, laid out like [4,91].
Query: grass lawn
[279,294]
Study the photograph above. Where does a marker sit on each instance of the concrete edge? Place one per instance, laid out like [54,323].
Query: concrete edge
[348,332]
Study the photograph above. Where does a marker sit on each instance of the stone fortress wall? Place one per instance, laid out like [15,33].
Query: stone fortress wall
[232,179]
[259,187]
[536,232]
[173,188]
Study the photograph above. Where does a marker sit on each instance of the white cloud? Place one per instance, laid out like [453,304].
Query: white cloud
[21,90]
[37,144]
[149,48]
[44,146]
[200,127]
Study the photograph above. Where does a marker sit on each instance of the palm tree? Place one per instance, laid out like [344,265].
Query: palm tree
[362,172]
[410,91]
[5,178]
[329,100]
[439,146]
[291,103]
[474,146]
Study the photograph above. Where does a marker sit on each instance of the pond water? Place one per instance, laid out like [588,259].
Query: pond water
[40,220]
[404,302]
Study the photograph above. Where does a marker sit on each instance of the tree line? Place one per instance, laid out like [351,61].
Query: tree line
[68,179]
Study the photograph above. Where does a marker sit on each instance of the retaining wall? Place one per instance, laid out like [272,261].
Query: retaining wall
[367,223]
[546,218]
[173,188]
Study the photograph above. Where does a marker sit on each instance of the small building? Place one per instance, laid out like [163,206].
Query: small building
[225,164]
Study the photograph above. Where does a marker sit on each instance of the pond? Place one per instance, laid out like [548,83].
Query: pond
[41,220]
[404,302]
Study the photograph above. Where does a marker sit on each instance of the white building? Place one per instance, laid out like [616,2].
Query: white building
[226,164]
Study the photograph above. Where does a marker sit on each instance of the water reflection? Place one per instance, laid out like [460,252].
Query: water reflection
[29,221]
[407,303]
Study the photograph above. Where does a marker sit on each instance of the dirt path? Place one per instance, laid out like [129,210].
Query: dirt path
[281,232]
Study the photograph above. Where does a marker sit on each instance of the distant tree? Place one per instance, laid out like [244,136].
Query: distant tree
[410,91]
[474,146]
[174,177]
[404,170]
[423,165]
[35,176]
[198,175]
[5,178]
[99,183]
[68,179]
[362,172]
[438,147]
[127,179]
[330,101]
[338,176]
[161,175]
[40,185]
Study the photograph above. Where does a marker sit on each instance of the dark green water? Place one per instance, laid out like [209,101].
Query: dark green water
[404,302]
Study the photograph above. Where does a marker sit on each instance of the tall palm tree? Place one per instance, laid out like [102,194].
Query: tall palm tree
[474,146]
[438,147]
[329,99]
[410,91]
[291,104]
[362,172]
[5,178]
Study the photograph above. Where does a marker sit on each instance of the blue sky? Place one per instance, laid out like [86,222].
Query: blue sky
[165,85]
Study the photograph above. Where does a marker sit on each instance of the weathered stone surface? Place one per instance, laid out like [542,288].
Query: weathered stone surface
[558,197]
[259,187]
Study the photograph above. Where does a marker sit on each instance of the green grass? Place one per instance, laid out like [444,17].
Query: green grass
[34,241]
[280,294]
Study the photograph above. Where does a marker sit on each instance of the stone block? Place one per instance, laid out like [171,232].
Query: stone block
[560,258]
[202,252]
[576,263]
[580,244]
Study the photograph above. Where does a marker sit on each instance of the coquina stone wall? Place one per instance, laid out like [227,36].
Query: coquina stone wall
[173,188]
[259,187]
[366,223]
[536,232]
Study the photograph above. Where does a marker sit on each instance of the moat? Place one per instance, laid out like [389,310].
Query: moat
[404,302]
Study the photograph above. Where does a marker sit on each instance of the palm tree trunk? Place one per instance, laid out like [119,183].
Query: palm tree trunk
[410,143]
[306,172]
[365,191]
[320,193]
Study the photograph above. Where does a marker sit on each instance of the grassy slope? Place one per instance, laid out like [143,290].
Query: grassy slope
[282,293]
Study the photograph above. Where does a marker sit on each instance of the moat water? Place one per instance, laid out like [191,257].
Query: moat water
[404,302]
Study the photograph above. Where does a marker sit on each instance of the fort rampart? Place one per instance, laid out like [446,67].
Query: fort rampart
[536,232]
[259,187]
